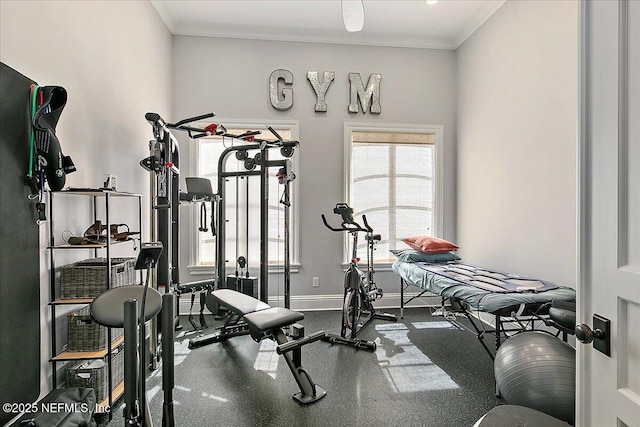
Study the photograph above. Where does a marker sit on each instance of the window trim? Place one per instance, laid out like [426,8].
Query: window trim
[437,130]
[294,128]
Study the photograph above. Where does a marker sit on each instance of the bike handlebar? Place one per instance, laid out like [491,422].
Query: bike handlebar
[366,224]
[349,226]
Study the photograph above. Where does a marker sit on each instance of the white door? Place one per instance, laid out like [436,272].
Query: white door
[609,285]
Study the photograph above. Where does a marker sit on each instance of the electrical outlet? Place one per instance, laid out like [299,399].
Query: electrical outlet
[316,282]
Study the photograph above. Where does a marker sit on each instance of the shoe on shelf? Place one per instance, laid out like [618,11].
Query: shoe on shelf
[96,233]
[121,236]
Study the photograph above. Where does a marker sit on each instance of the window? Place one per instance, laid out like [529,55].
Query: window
[242,202]
[393,179]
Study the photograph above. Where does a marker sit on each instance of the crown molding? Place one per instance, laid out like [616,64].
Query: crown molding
[246,32]
[165,15]
[483,15]
[306,36]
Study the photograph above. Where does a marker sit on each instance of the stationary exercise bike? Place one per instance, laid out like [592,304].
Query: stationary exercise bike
[360,290]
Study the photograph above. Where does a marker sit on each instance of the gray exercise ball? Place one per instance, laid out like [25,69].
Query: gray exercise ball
[537,370]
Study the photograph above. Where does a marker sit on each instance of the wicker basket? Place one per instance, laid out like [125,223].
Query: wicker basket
[88,278]
[94,373]
[84,334]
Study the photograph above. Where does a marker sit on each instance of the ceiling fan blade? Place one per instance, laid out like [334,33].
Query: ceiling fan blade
[353,15]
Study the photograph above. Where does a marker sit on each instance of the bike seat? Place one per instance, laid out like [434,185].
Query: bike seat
[374,237]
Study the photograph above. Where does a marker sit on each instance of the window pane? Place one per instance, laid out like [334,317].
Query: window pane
[414,191]
[413,222]
[415,159]
[368,158]
[371,193]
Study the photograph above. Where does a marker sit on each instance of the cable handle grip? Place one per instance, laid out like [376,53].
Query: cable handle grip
[276,134]
[280,142]
[187,128]
[285,144]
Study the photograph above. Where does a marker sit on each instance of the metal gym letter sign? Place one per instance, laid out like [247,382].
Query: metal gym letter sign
[369,96]
[367,99]
[281,99]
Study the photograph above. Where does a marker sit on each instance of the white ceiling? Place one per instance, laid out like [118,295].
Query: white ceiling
[400,23]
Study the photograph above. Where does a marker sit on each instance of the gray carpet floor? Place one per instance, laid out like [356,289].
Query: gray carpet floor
[426,371]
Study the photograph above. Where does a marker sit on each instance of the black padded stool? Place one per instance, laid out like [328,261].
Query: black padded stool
[107,309]
[118,308]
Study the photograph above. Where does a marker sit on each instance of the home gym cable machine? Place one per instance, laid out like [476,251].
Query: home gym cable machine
[254,155]
[163,162]
[260,161]
[164,165]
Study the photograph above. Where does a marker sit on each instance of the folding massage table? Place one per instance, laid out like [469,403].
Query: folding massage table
[252,316]
[508,297]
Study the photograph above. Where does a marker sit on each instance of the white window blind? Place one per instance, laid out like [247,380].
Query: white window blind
[392,182]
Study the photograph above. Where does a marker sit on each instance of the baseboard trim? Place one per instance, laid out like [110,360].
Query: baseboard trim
[329,302]
[334,301]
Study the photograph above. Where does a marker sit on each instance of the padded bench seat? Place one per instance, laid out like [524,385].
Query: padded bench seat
[263,321]
[238,302]
[259,316]
[271,318]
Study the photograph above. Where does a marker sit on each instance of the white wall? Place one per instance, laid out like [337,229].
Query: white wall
[517,118]
[114,60]
[231,78]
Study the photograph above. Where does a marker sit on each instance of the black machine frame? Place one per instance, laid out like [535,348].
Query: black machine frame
[260,161]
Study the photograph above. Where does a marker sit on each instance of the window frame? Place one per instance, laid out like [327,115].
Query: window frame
[293,126]
[438,198]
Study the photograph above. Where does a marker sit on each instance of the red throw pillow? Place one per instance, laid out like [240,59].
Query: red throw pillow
[428,244]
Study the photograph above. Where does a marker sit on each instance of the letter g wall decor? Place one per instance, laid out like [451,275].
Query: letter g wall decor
[286,101]
[369,98]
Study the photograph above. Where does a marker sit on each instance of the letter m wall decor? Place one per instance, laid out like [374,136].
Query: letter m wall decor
[369,97]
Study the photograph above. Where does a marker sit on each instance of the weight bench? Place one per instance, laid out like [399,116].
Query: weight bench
[260,320]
